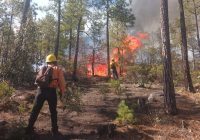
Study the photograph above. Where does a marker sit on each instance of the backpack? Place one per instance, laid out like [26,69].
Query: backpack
[44,77]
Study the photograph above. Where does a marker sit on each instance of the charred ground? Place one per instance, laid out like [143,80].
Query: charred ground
[96,120]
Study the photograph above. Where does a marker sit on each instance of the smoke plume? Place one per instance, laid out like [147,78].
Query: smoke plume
[147,13]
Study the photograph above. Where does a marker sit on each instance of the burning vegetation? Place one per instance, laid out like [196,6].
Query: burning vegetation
[123,55]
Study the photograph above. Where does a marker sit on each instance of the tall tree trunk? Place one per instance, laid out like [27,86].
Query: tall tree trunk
[9,34]
[122,61]
[196,23]
[23,24]
[20,42]
[119,61]
[93,61]
[2,45]
[70,44]
[169,93]
[74,76]
[25,11]
[20,47]
[108,41]
[188,79]
[193,56]
[58,30]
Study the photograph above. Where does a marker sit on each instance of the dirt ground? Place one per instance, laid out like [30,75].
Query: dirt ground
[99,112]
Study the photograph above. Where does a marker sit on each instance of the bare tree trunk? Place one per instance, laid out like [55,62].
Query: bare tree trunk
[74,76]
[193,56]
[197,25]
[108,41]
[119,61]
[93,61]
[70,44]
[2,50]
[58,30]
[23,24]
[122,61]
[168,88]
[188,79]
[9,34]
[20,42]
[25,11]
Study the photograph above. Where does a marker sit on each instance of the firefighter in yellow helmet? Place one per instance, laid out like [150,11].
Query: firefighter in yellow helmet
[113,66]
[51,58]
[48,93]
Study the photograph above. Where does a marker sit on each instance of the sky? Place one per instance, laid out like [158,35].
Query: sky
[147,12]
[41,2]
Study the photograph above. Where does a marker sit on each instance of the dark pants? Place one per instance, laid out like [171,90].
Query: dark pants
[43,94]
[115,74]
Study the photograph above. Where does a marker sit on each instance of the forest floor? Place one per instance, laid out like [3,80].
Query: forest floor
[100,110]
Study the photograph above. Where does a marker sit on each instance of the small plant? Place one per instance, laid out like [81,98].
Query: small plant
[115,84]
[6,92]
[144,74]
[125,114]
[103,89]
[72,99]
[21,110]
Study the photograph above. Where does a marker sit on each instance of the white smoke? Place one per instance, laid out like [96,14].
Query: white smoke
[147,13]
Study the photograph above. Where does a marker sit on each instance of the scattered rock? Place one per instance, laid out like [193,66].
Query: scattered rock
[151,98]
[197,86]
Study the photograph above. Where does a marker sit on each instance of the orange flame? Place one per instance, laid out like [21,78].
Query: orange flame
[99,69]
[131,44]
[143,35]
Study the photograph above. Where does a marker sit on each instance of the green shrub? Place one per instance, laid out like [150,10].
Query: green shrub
[6,91]
[195,76]
[21,75]
[125,114]
[144,74]
[72,99]
[178,77]
[156,73]
[22,108]
[115,84]
[103,89]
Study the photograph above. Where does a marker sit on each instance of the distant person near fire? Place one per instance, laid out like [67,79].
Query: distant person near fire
[114,69]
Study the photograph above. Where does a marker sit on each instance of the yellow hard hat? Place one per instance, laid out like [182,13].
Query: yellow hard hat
[51,58]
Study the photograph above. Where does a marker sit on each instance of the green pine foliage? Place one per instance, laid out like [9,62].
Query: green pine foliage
[125,114]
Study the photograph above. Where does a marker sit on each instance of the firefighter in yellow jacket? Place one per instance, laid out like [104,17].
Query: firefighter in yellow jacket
[48,94]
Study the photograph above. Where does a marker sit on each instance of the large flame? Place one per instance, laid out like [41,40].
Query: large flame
[130,45]
[99,69]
